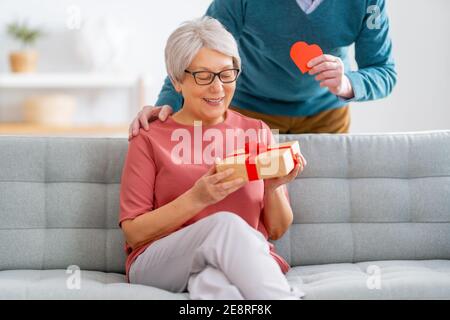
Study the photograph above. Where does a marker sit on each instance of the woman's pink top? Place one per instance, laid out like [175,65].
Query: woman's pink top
[158,169]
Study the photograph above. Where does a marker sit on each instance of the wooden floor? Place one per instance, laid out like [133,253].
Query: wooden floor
[76,130]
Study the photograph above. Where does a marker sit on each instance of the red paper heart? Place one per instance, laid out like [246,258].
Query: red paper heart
[302,53]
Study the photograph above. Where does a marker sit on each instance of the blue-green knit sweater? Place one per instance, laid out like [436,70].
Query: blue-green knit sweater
[270,81]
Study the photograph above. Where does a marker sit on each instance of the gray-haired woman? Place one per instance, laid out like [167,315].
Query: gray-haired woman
[185,227]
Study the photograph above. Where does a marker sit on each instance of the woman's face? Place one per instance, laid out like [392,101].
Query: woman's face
[207,102]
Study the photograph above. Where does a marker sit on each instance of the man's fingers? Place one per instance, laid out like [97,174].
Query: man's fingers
[317,60]
[330,83]
[130,129]
[166,110]
[313,62]
[134,128]
[148,114]
[141,120]
[324,66]
[330,74]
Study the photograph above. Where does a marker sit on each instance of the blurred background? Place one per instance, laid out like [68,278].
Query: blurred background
[87,67]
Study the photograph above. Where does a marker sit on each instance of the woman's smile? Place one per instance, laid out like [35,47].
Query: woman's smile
[214,102]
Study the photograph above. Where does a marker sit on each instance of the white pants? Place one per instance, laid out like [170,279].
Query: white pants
[218,257]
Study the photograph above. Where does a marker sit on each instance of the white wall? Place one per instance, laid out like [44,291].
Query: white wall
[420,32]
[150,23]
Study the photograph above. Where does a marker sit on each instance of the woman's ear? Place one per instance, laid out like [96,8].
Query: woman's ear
[176,85]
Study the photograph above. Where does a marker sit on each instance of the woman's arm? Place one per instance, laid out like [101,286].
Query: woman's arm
[278,214]
[159,222]
[154,224]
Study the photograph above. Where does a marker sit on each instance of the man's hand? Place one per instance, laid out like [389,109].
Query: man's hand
[146,115]
[331,74]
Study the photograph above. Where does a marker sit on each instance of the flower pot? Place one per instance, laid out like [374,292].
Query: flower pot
[23,61]
[50,109]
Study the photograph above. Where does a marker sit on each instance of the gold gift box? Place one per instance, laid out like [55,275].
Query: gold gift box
[277,161]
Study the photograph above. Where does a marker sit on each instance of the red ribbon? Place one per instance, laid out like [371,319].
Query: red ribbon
[252,150]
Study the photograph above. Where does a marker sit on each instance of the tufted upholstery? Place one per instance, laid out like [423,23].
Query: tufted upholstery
[380,200]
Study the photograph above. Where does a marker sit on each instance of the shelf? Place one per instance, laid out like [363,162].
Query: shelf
[72,80]
[120,130]
[135,84]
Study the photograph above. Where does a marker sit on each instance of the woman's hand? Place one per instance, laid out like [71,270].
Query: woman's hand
[209,189]
[331,74]
[146,115]
[272,184]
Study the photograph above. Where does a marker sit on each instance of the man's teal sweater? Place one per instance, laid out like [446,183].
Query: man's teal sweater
[270,81]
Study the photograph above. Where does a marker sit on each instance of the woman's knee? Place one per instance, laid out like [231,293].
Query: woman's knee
[226,222]
[224,218]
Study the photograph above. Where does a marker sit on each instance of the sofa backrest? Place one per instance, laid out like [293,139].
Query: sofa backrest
[369,197]
[59,203]
[360,198]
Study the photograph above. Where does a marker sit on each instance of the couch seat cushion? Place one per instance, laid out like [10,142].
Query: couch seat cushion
[398,279]
[51,284]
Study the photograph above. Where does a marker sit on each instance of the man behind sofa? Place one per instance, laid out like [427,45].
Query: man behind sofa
[271,87]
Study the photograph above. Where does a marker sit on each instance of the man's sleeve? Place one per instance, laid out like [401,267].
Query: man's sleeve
[376,75]
[138,179]
[231,14]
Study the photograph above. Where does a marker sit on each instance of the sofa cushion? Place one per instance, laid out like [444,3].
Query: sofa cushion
[52,284]
[399,279]
[427,279]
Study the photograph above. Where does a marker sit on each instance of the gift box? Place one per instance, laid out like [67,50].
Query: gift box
[259,161]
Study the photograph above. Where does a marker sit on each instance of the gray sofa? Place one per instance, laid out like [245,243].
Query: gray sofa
[372,218]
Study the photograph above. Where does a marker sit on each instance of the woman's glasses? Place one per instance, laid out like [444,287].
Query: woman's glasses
[204,78]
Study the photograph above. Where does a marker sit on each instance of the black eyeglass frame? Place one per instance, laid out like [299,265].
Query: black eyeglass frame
[215,74]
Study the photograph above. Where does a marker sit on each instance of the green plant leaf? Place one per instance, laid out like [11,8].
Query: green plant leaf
[24,33]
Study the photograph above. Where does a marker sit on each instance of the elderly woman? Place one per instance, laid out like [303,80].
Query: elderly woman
[186,228]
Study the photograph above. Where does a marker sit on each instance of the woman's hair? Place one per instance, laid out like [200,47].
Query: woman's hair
[187,40]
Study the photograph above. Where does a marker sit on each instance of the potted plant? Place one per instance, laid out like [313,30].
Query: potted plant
[25,59]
